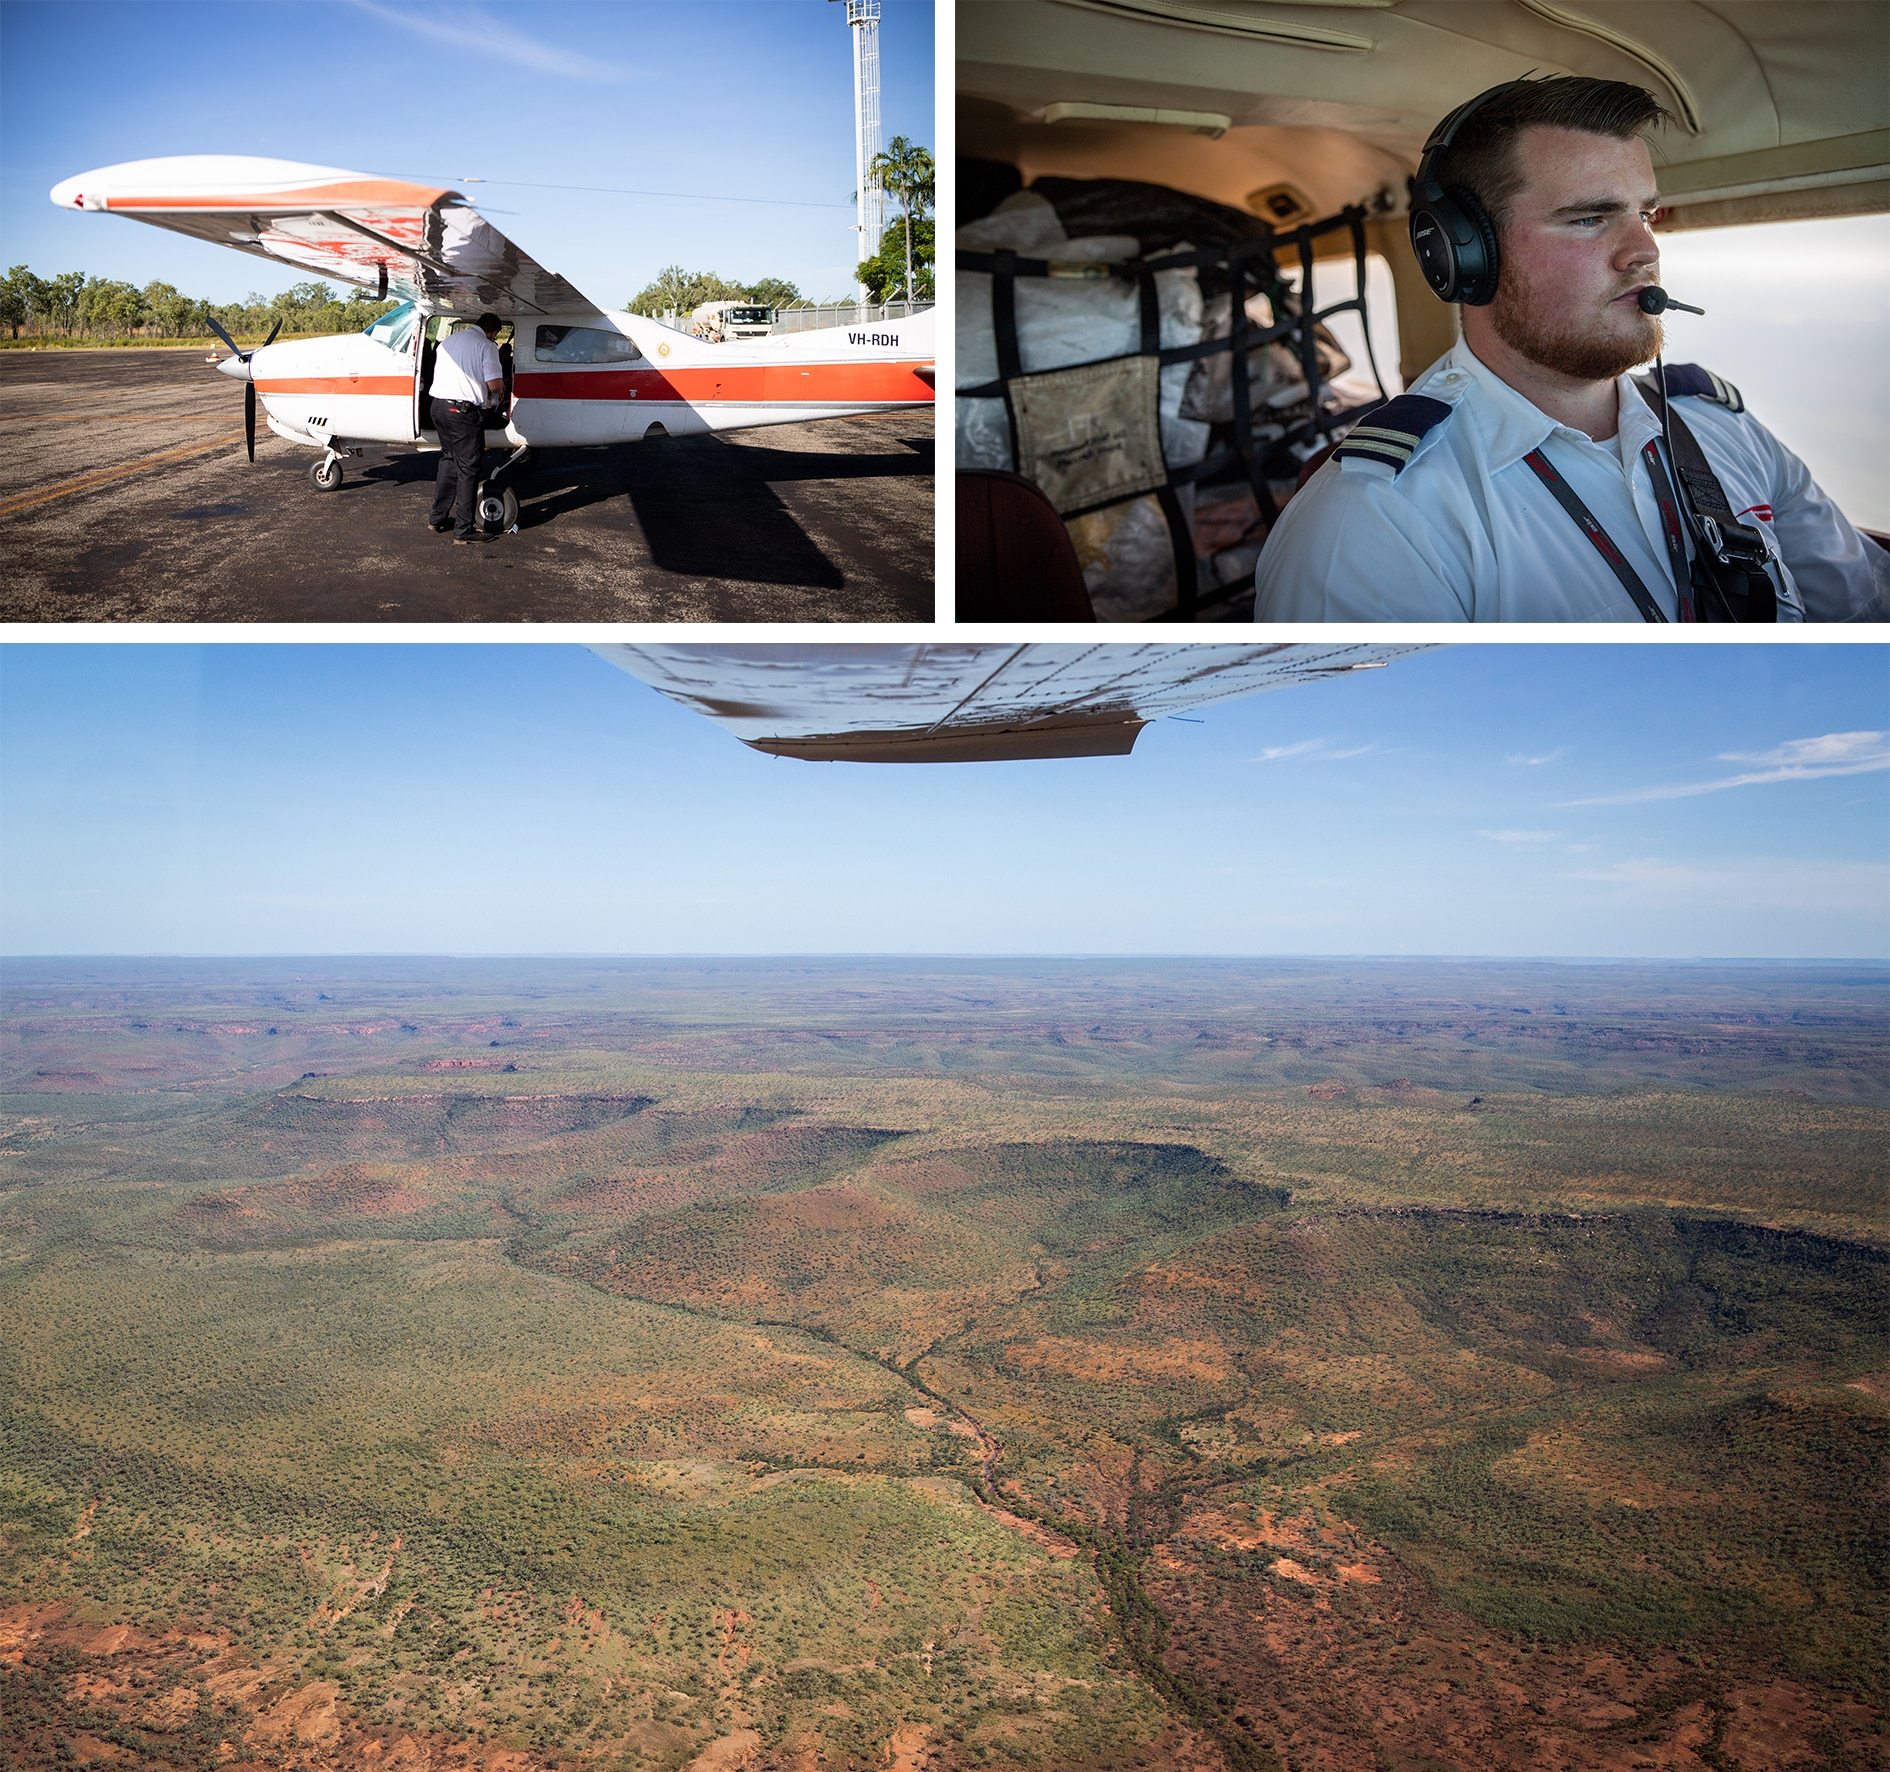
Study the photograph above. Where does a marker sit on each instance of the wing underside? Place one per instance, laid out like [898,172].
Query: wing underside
[422,243]
[968,703]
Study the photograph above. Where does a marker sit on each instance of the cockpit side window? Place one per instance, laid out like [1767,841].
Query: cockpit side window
[395,330]
[583,344]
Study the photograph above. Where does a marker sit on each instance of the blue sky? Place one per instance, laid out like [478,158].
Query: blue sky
[1727,800]
[743,98]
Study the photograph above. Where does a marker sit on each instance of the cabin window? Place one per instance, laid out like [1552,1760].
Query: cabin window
[583,344]
[1810,359]
[1335,279]
[394,330]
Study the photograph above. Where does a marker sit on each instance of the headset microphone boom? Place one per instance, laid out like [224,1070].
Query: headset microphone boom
[1655,300]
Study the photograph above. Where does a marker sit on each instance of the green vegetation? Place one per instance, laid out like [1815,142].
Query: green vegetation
[905,264]
[678,291]
[73,307]
[950,1361]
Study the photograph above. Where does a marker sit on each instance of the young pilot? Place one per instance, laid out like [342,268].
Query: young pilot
[1524,477]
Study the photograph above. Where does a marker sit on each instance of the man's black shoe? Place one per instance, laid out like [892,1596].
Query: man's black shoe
[440,528]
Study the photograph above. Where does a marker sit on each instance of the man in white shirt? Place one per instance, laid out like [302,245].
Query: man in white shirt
[467,378]
[1444,505]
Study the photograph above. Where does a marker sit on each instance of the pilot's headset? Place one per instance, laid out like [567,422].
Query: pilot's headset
[1451,232]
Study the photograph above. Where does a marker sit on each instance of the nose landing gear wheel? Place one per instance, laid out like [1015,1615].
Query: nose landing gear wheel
[326,475]
[498,509]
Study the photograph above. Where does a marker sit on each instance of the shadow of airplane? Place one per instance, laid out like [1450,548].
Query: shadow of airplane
[707,507]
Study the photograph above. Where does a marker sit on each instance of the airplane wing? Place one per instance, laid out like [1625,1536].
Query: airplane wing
[426,245]
[968,703]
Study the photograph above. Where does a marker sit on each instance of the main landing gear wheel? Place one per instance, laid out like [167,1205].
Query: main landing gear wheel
[326,475]
[498,509]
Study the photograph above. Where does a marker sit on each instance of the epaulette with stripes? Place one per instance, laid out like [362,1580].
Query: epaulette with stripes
[1690,378]
[1393,431]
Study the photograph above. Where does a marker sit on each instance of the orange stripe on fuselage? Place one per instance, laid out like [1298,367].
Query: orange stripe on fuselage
[288,202]
[340,384]
[827,384]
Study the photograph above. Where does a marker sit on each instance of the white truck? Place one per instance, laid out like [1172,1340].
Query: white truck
[731,319]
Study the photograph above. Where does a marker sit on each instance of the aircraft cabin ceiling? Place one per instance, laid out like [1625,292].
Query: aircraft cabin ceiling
[1784,105]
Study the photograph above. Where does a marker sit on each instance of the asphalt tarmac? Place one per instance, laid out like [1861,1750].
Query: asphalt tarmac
[125,496]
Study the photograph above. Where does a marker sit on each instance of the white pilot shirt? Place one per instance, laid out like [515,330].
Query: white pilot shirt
[465,362]
[1466,532]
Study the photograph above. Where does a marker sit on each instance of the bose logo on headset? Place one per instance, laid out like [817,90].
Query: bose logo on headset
[1451,232]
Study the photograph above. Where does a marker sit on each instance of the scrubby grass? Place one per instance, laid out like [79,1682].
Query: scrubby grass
[412,1463]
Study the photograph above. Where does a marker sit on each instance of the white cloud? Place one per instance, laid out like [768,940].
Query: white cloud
[1870,748]
[469,29]
[1838,888]
[1528,762]
[1521,839]
[1797,759]
[1310,750]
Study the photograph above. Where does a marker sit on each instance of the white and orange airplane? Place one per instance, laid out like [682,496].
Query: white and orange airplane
[577,373]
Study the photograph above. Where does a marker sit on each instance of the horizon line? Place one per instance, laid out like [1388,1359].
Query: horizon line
[964,954]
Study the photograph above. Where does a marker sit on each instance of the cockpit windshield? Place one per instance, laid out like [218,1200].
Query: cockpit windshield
[395,330]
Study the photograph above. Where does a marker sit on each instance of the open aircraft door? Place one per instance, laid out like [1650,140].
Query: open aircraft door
[422,374]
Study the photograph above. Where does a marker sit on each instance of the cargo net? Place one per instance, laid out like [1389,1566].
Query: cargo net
[1163,393]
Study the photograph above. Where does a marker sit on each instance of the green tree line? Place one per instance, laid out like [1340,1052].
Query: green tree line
[675,288]
[73,305]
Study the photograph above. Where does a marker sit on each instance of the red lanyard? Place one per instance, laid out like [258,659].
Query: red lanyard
[1670,526]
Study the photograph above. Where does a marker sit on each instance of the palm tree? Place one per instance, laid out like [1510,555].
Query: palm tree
[911,174]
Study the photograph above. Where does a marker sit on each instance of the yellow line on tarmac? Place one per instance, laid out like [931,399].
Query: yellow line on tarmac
[22,500]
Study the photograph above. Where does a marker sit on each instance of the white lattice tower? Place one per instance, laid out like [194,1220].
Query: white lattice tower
[863,18]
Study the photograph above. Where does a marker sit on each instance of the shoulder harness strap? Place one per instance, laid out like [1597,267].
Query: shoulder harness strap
[1392,432]
[1690,378]
[1732,557]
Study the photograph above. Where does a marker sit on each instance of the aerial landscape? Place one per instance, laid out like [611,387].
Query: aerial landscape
[1309,1365]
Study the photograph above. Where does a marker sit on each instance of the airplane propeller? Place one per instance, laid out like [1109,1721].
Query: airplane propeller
[249,386]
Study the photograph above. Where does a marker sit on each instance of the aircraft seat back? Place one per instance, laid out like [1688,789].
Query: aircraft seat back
[1016,561]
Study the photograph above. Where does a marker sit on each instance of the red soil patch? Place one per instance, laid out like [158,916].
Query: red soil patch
[1333,1656]
[134,1686]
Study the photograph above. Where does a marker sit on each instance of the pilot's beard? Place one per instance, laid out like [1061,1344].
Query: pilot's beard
[1595,353]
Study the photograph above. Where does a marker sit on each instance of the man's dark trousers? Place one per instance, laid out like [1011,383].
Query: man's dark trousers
[462,432]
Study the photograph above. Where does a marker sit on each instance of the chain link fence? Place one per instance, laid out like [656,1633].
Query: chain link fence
[833,314]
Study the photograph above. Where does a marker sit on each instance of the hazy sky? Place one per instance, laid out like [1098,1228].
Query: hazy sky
[743,98]
[1727,800]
